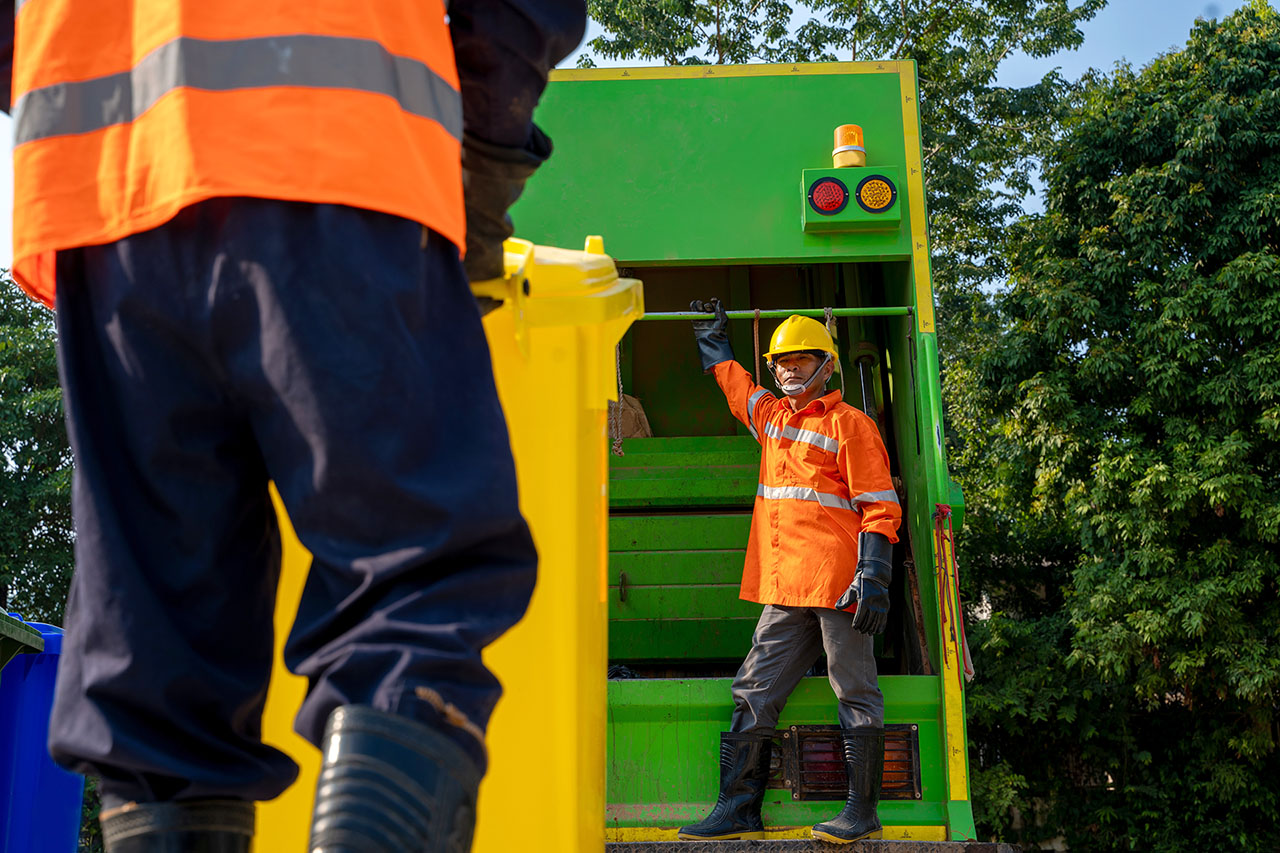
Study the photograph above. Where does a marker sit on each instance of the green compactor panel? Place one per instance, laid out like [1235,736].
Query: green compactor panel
[717,181]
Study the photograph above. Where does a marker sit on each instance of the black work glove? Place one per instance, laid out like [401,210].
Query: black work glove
[870,587]
[493,177]
[712,334]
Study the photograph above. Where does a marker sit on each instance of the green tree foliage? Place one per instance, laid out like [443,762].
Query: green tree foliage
[981,140]
[35,462]
[1124,430]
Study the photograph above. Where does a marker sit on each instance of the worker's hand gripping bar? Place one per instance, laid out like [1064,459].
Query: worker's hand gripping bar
[710,330]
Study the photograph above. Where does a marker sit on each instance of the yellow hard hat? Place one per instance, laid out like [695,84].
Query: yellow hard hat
[799,334]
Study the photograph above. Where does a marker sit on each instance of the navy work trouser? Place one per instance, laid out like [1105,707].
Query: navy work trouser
[339,353]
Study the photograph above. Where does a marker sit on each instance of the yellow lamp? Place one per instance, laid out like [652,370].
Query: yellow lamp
[849,150]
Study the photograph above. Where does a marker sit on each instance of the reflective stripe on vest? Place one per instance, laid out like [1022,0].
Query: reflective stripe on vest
[887,496]
[751,412]
[326,62]
[363,111]
[806,436]
[802,493]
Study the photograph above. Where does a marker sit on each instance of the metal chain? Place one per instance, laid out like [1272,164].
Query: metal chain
[617,407]
[831,330]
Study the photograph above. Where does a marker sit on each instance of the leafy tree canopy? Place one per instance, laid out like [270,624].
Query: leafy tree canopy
[35,462]
[1128,416]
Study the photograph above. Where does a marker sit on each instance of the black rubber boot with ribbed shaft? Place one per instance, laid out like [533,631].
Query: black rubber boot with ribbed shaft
[744,772]
[864,763]
[192,826]
[392,785]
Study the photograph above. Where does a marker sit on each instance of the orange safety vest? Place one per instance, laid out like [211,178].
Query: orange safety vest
[127,111]
[824,478]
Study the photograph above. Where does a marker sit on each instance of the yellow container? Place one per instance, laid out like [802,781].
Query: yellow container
[553,355]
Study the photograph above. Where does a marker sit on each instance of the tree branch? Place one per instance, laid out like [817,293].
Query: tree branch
[897,51]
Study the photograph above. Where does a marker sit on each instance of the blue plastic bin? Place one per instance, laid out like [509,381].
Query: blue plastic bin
[39,801]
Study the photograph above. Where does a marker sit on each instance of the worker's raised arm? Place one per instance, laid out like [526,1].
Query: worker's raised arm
[748,402]
[504,51]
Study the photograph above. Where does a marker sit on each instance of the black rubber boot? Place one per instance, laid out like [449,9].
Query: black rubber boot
[193,826]
[744,771]
[392,785]
[864,762]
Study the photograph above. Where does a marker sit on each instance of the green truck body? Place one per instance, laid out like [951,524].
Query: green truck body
[699,179]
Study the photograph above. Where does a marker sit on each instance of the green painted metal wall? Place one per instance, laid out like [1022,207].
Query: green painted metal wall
[706,167]
[680,720]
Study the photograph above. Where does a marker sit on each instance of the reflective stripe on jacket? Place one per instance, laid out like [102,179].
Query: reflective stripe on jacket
[127,111]
[824,477]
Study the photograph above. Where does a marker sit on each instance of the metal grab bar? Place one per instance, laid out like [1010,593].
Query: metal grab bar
[821,313]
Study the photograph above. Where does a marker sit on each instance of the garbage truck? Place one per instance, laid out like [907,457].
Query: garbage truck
[780,189]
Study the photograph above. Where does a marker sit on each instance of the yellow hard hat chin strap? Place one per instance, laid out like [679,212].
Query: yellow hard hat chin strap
[795,389]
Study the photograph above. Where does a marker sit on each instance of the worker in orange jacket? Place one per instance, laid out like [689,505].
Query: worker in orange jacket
[822,532]
[250,217]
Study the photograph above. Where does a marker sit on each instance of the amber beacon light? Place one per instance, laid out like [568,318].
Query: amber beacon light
[849,150]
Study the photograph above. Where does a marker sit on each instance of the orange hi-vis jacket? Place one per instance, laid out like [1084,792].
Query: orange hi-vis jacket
[127,111]
[824,478]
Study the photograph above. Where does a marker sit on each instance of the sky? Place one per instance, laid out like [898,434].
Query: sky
[1134,30]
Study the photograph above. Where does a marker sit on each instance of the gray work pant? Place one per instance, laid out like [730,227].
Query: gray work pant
[786,643]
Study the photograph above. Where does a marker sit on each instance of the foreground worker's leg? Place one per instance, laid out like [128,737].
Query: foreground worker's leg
[785,644]
[851,668]
[390,783]
[864,763]
[380,424]
[190,826]
[168,642]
